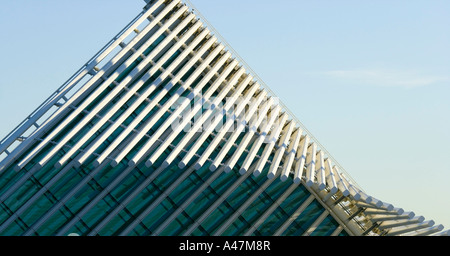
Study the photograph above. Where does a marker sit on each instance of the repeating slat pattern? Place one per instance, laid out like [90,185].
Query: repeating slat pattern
[171,104]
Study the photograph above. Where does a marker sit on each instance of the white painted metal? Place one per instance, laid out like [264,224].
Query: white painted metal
[364,197]
[301,156]
[130,92]
[72,82]
[338,210]
[198,107]
[252,129]
[311,165]
[406,229]
[374,201]
[384,206]
[186,102]
[271,93]
[292,151]
[401,223]
[376,218]
[106,83]
[340,182]
[260,140]
[152,104]
[271,143]
[301,150]
[320,171]
[395,211]
[426,231]
[443,233]
[207,130]
[156,117]
[279,153]
[241,125]
[217,120]
[353,191]
[331,177]
[88,151]
[236,131]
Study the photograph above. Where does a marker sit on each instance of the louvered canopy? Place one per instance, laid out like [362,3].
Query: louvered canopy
[166,132]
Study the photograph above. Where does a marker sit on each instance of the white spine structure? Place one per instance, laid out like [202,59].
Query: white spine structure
[177,96]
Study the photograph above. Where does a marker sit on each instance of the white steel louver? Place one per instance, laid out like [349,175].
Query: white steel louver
[242,128]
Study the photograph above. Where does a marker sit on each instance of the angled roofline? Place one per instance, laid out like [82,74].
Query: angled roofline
[350,205]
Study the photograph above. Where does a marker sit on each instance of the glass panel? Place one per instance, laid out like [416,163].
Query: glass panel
[305,219]
[178,226]
[67,182]
[326,228]
[265,200]
[58,219]
[20,196]
[35,211]
[343,233]
[159,215]
[190,185]
[211,194]
[284,211]
[112,227]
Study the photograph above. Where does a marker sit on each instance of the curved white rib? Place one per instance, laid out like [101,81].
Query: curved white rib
[301,156]
[340,182]
[186,102]
[209,115]
[88,84]
[253,127]
[144,95]
[330,176]
[104,85]
[155,117]
[129,93]
[228,124]
[198,123]
[271,144]
[208,129]
[292,152]
[143,150]
[152,104]
[236,133]
[311,164]
[260,140]
[320,170]
[282,145]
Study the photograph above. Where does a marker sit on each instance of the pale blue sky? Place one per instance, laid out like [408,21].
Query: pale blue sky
[369,79]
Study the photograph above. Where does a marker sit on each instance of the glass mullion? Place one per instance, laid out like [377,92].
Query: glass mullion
[326,228]
[283,212]
[305,219]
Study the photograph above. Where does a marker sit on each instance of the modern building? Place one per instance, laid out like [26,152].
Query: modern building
[166,131]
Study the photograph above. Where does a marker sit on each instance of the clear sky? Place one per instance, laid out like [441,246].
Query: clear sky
[369,79]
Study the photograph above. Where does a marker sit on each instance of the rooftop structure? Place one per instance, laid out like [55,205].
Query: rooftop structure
[166,131]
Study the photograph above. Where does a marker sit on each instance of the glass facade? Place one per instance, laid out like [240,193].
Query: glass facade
[68,204]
